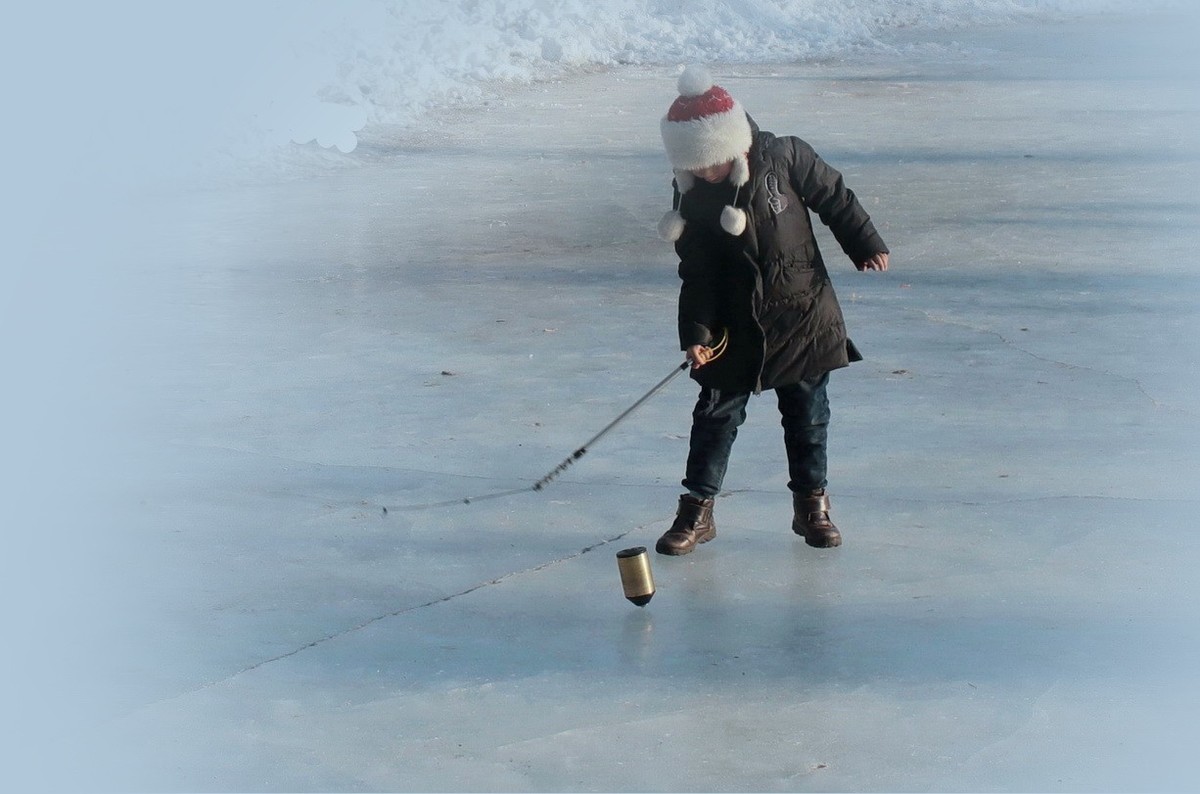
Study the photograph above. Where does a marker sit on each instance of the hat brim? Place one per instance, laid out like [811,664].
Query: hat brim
[707,141]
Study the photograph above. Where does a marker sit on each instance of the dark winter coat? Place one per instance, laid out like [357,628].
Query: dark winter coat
[769,286]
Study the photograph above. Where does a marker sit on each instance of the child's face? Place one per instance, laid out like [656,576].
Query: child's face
[714,173]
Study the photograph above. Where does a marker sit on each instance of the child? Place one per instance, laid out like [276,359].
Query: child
[756,308]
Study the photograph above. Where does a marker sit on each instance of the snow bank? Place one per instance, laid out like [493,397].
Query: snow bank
[243,79]
[389,60]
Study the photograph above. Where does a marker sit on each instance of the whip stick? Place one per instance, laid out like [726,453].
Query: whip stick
[717,350]
[560,468]
[579,453]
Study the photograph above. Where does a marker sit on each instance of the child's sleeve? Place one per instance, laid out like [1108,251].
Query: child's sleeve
[824,191]
[698,292]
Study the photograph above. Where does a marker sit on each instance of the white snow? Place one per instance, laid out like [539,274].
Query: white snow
[213,388]
[387,62]
[185,86]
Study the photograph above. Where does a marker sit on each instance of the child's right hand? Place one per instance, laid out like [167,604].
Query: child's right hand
[699,355]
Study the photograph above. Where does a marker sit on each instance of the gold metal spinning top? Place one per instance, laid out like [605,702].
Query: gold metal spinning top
[636,579]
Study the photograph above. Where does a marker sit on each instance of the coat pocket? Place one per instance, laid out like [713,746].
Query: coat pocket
[796,282]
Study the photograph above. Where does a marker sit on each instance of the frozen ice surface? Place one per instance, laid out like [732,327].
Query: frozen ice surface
[1013,466]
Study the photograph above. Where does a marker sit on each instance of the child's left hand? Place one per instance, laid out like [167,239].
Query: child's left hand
[876,262]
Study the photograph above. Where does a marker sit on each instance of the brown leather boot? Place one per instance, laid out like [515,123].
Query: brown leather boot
[693,525]
[812,520]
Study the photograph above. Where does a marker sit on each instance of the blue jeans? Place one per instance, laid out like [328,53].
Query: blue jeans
[804,414]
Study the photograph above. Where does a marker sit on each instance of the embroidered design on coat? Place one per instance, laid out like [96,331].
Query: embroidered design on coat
[776,200]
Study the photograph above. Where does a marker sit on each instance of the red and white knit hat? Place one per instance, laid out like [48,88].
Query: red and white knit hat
[704,127]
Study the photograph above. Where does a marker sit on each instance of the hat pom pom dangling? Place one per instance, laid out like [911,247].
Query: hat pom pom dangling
[733,220]
[670,228]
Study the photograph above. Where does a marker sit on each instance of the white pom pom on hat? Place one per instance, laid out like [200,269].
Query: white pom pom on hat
[670,228]
[694,80]
[705,126]
[733,220]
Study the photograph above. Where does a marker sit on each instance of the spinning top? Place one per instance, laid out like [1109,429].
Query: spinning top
[636,579]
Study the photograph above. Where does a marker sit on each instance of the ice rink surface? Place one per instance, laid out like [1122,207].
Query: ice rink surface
[1013,466]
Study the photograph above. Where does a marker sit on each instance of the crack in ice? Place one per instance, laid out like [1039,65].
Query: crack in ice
[406,610]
